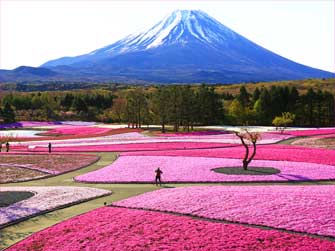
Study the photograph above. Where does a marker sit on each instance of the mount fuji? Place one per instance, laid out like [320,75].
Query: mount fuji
[188,46]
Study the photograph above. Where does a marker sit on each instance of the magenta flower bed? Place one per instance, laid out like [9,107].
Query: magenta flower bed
[309,209]
[127,169]
[267,152]
[133,147]
[110,228]
[77,130]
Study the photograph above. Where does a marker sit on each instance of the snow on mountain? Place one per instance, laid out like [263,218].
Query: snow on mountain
[176,28]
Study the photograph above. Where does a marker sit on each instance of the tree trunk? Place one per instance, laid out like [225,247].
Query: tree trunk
[245,164]
[253,153]
[245,160]
[163,127]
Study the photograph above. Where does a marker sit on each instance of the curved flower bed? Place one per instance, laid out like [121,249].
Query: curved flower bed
[309,209]
[127,169]
[18,173]
[267,152]
[321,141]
[45,199]
[52,164]
[124,229]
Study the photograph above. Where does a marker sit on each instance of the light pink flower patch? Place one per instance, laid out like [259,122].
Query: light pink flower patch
[117,229]
[45,199]
[198,169]
[309,209]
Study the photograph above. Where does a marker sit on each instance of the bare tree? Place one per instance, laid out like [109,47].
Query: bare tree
[248,138]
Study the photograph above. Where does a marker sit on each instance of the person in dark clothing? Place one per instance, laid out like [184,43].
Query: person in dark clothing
[158,172]
[0,146]
[49,147]
[7,147]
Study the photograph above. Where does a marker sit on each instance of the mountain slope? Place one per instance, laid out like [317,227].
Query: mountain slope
[186,46]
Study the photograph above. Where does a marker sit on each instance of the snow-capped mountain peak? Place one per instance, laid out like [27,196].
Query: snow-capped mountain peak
[181,26]
[185,46]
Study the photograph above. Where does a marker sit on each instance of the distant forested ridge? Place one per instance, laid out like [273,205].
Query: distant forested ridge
[182,106]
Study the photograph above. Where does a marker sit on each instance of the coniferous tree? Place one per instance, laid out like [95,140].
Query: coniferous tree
[8,113]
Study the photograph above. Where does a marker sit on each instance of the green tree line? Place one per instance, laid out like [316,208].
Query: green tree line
[182,107]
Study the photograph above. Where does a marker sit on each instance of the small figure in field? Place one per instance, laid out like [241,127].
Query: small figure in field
[7,147]
[49,147]
[158,172]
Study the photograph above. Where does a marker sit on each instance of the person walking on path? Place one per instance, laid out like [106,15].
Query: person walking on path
[7,147]
[49,147]
[158,172]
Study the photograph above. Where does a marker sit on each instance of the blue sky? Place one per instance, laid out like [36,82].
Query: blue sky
[33,32]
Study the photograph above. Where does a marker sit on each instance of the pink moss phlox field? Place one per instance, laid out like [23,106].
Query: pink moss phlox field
[266,152]
[309,209]
[23,124]
[132,147]
[45,198]
[137,138]
[117,229]
[77,130]
[199,169]
[196,133]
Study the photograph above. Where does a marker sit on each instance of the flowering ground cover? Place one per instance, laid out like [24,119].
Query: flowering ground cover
[45,199]
[266,152]
[22,124]
[309,209]
[129,147]
[109,228]
[319,141]
[195,133]
[15,173]
[57,137]
[140,169]
[20,167]
[126,136]
[76,130]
